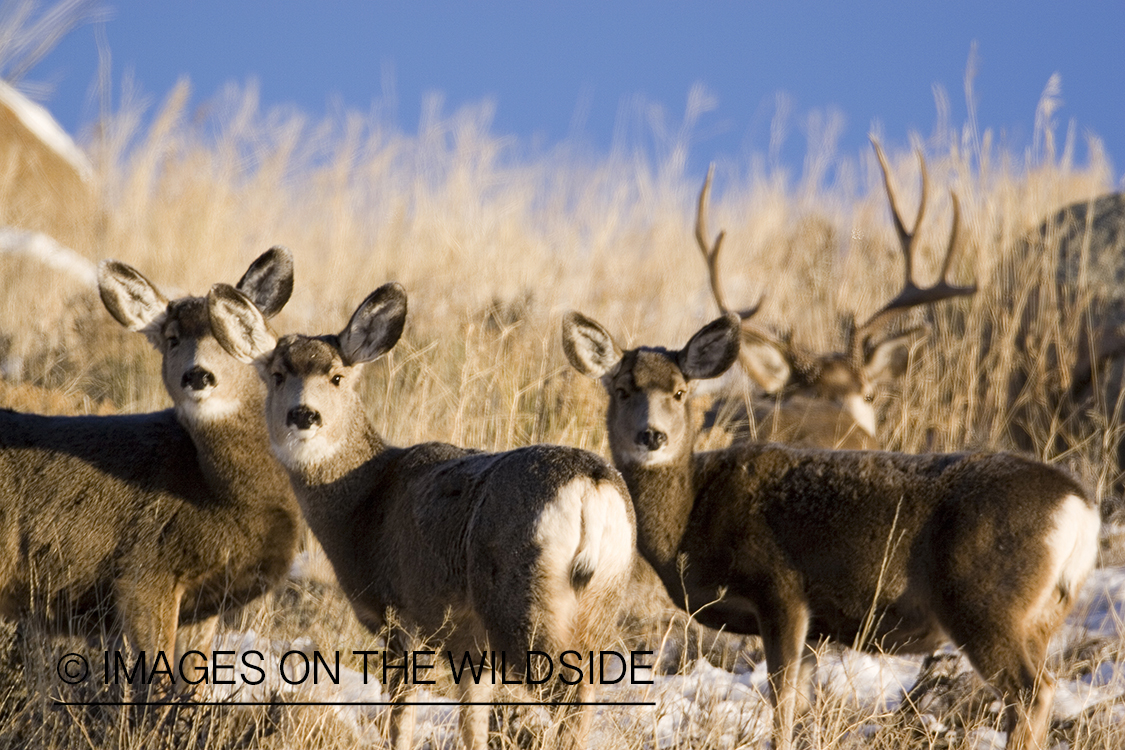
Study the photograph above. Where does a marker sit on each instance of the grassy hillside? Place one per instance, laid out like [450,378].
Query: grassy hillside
[493,242]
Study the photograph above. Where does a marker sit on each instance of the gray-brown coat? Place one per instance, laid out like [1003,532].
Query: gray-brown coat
[876,550]
[505,552]
[136,524]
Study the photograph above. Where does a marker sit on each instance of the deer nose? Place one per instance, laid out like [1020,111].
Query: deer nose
[652,439]
[302,417]
[197,378]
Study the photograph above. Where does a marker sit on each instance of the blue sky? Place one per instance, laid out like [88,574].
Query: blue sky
[563,69]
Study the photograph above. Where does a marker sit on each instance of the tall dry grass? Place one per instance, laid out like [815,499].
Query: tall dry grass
[494,241]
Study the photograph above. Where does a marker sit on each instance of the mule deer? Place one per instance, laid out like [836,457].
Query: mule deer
[871,549]
[137,524]
[512,551]
[824,400]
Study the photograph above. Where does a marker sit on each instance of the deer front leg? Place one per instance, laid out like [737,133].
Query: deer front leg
[194,644]
[784,631]
[151,613]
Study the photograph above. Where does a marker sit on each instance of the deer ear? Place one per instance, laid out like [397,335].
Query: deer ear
[765,364]
[238,324]
[132,299]
[588,346]
[376,325]
[268,282]
[890,358]
[712,350]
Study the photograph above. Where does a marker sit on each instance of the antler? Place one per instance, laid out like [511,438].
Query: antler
[711,251]
[911,295]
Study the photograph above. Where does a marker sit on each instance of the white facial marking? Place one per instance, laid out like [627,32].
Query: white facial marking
[642,456]
[862,412]
[304,449]
[203,406]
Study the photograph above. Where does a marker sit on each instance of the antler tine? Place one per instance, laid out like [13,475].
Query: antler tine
[711,250]
[951,251]
[905,238]
[911,294]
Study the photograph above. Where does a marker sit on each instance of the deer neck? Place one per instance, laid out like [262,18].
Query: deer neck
[663,497]
[235,457]
[330,491]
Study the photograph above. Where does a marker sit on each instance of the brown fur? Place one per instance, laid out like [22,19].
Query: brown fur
[479,551]
[137,524]
[821,400]
[877,550]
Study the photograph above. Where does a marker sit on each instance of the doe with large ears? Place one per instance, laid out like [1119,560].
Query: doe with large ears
[874,550]
[135,525]
[505,552]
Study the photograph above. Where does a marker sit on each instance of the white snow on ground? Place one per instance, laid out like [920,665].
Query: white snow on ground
[39,246]
[46,129]
[709,705]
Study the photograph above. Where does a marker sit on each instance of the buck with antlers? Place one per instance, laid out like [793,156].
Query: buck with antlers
[824,400]
[875,550]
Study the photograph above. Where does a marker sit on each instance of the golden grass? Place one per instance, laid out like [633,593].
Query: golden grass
[493,244]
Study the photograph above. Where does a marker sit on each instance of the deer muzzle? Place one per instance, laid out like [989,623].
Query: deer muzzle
[197,379]
[654,440]
[303,418]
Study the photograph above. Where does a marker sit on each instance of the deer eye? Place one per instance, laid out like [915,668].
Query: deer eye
[679,395]
[336,380]
[278,378]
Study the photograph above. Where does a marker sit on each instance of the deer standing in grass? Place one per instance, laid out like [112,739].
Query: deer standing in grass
[135,525]
[880,551]
[824,400]
[526,549]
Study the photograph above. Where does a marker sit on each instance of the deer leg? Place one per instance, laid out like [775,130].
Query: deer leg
[401,693]
[151,615]
[1023,682]
[577,720]
[474,718]
[194,644]
[783,636]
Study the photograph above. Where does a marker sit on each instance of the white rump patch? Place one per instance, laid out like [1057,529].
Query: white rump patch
[606,549]
[585,529]
[1074,542]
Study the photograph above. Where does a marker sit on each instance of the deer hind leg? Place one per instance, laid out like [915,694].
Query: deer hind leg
[575,720]
[474,718]
[1015,668]
[400,691]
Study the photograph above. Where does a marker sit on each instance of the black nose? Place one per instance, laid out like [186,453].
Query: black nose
[197,379]
[302,417]
[652,439]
